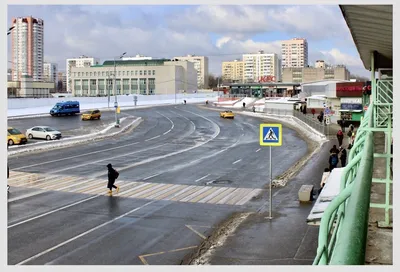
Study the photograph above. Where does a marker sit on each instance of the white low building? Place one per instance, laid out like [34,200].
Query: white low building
[146,77]
[28,88]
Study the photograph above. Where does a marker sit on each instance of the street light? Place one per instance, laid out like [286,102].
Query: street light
[115,93]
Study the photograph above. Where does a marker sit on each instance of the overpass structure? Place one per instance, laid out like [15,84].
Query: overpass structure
[364,200]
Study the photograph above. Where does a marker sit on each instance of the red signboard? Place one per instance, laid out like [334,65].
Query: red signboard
[349,89]
[267,79]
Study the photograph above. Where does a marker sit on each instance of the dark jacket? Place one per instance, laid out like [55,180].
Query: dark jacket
[343,155]
[111,174]
[333,160]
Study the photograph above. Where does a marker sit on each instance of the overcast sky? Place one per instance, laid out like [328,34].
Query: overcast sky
[219,32]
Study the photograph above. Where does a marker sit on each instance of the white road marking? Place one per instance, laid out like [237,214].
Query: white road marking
[94,152]
[77,156]
[210,182]
[153,138]
[52,211]
[152,176]
[258,149]
[236,161]
[202,178]
[84,233]
[173,125]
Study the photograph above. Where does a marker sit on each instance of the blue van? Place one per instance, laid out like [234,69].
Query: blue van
[65,108]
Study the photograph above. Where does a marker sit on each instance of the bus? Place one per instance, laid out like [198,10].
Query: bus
[65,108]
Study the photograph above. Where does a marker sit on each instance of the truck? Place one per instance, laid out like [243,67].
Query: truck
[65,108]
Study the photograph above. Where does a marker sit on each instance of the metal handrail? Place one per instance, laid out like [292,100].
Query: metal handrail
[337,213]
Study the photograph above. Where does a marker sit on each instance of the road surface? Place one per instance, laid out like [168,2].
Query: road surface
[183,170]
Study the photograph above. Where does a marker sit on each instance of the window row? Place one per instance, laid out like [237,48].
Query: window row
[119,73]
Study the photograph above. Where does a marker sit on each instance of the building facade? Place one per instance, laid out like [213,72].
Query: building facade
[26,87]
[320,64]
[27,48]
[62,77]
[232,71]
[260,65]
[310,74]
[137,57]
[295,53]
[201,66]
[145,77]
[50,71]
[81,62]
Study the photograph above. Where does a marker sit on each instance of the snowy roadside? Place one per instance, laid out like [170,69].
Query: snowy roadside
[43,111]
[77,139]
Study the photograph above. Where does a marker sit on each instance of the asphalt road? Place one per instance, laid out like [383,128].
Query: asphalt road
[69,126]
[183,170]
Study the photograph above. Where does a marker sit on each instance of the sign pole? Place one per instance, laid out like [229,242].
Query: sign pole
[270,135]
[270,182]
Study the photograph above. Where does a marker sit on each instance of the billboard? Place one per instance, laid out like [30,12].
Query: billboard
[349,89]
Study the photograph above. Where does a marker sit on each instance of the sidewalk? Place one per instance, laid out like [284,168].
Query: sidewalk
[287,239]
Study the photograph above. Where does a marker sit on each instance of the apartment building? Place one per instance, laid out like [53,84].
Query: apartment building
[50,72]
[259,65]
[295,53]
[80,62]
[146,77]
[61,76]
[27,48]
[201,66]
[320,64]
[310,74]
[232,71]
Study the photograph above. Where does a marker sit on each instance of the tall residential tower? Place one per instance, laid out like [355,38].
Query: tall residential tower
[27,48]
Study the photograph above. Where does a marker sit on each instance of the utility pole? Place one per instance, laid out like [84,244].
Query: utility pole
[115,93]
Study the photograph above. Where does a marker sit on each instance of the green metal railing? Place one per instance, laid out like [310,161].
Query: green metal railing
[351,206]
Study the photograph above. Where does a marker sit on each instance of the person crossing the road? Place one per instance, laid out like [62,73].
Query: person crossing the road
[112,176]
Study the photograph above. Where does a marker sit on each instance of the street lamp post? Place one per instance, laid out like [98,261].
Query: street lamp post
[115,93]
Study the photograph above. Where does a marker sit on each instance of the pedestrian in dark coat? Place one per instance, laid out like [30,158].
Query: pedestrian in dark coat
[112,176]
[340,136]
[343,156]
[334,150]
[333,161]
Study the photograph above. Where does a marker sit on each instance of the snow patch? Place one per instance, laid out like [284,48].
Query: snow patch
[75,140]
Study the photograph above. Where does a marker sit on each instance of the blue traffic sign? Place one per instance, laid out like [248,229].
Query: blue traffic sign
[270,134]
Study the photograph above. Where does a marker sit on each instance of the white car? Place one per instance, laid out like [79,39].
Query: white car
[43,132]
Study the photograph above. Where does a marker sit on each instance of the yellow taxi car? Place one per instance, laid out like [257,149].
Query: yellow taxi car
[227,114]
[91,115]
[14,136]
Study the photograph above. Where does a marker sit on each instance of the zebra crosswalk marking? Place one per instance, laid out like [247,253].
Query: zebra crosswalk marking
[143,190]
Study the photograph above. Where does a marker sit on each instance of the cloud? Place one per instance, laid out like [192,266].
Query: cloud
[219,32]
[313,22]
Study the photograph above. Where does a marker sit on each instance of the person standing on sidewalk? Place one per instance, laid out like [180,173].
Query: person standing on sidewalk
[340,136]
[343,156]
[112,176]
[333,161]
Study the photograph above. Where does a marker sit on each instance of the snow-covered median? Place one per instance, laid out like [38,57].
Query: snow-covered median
[74,140]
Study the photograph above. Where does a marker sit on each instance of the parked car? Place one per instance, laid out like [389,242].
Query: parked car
[227,114]
[91,115]
[43,132]
[14,136]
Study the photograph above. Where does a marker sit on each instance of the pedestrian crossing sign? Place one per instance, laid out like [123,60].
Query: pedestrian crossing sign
[270,134]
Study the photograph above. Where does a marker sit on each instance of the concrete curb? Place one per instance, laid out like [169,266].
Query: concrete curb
[74,141]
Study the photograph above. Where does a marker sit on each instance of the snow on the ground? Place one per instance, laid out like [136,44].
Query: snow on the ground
[72,140]
[306,129]
[44,110]
[260,102]
[247,100]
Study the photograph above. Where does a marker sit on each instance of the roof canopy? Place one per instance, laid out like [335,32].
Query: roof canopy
[371,27]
